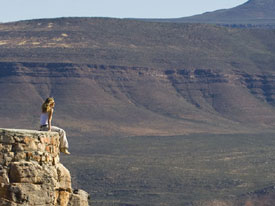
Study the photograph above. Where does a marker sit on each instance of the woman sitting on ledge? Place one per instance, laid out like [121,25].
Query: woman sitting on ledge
[46,120]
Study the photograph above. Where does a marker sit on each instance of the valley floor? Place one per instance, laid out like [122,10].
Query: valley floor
[173,170]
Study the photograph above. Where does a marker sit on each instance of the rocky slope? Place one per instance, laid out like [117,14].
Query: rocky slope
[113,100]
[30,171]
[253,13]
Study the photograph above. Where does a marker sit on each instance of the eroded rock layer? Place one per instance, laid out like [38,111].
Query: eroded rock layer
[31,173]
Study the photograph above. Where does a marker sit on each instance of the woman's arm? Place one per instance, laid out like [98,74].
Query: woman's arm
[50,119]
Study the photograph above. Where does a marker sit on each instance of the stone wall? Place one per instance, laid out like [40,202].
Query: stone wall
[31,173]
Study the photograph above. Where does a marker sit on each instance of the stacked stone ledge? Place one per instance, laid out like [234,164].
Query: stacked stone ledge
[30,171]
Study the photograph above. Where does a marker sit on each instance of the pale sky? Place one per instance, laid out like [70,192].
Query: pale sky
[14,10]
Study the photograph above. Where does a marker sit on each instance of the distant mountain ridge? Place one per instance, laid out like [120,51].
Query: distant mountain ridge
[253,12]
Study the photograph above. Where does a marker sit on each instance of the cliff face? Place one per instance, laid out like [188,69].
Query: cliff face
[30,171]
[176,101]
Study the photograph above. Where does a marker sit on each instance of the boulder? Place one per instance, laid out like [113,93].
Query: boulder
[79,198]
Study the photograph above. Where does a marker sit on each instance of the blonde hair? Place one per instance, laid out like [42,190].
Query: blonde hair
[46,106]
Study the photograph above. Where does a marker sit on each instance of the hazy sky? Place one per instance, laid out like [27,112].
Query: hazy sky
[13,10]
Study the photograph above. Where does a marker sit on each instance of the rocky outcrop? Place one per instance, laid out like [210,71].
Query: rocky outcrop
[30,171]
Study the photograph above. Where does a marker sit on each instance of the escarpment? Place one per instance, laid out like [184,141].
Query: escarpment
[173,101]
[31,173]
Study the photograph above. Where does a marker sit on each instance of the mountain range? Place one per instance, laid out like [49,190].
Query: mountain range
[184,69]
[253,13]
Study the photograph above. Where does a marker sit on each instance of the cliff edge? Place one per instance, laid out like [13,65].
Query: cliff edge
[30,171]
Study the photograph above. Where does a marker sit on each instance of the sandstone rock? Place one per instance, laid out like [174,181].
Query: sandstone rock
[6,138]
[8,158]
[20,156]
[79,198]
[4,178]
[5,148]
[30,171]
[63,198]
[3,191]
[2,159]
[64,177]
[26,172]
[32,194]
[4,202]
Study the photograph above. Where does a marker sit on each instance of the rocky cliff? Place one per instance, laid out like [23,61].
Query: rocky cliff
[31,173]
